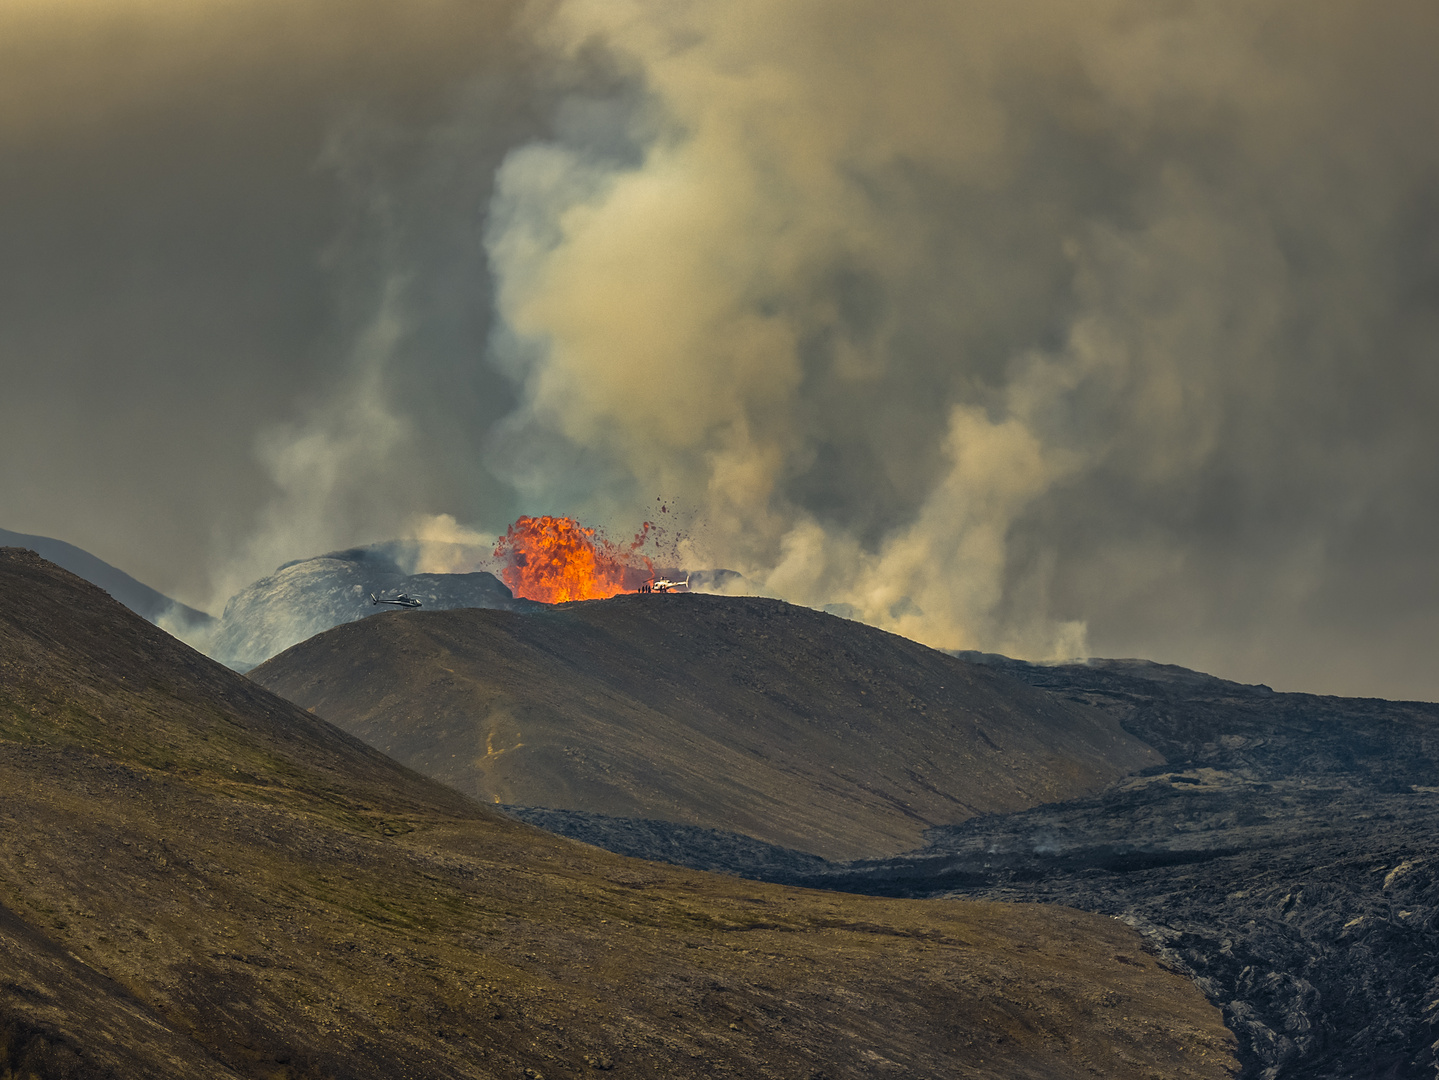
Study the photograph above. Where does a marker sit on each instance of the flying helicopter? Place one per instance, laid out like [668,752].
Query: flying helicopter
[664,585]
[401,600]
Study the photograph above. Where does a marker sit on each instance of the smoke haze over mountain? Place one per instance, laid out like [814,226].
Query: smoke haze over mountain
[243,291]
[1050,329]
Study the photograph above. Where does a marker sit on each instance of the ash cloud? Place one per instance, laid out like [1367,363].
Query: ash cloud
[1043,330]
[243,293]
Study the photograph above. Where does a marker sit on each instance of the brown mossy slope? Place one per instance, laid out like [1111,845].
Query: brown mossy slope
[743,714]
[198,879]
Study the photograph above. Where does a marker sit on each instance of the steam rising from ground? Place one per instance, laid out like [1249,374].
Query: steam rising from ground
[977,318]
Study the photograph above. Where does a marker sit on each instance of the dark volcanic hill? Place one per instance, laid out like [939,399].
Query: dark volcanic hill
[742,714]
[200,880]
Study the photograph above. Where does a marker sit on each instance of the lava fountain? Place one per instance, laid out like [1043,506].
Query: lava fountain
[556,559]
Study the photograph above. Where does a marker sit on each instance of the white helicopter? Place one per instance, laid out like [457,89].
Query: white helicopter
[399,601]
[664,585]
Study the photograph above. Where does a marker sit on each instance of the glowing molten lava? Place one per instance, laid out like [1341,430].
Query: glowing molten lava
[555,559]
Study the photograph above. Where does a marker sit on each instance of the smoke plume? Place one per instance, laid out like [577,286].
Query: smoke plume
[1045,328]
[243,293]
[994,324]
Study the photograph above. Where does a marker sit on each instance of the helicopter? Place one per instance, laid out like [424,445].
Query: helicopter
[664,585]
[400,600]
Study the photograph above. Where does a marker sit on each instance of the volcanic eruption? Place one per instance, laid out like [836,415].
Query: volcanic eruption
[556,559]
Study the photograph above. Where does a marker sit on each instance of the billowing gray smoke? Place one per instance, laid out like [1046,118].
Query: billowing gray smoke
[243,290]
[1043,328]
[1002,323]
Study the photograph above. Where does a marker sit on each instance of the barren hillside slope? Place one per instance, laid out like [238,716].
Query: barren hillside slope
[750,715]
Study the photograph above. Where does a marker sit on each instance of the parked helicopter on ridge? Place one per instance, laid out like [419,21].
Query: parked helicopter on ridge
[664,585]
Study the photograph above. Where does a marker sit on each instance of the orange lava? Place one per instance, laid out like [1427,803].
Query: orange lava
[556,559]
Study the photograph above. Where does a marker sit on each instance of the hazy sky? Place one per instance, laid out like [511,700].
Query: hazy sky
[1051,329]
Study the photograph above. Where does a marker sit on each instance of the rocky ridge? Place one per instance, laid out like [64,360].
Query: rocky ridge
[309,596]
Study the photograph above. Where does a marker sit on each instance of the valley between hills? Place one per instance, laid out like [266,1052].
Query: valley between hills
[202,879]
